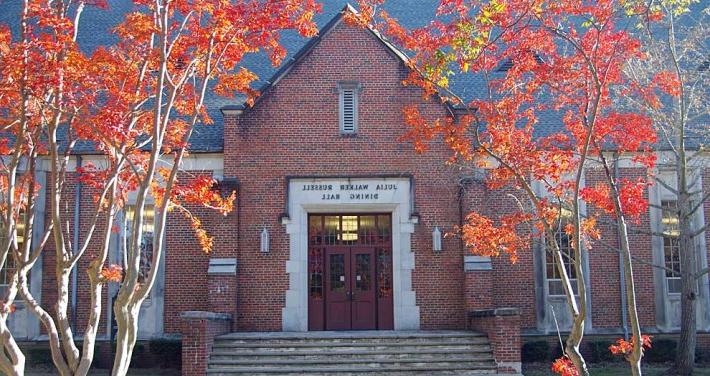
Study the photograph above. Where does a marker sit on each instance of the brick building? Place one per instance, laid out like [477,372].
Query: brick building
[338,224]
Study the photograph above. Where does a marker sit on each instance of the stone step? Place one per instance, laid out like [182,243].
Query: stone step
[344,356]
[357,370]
[373,347]
[419,362]
[352,336]
[331,352]
[221,343]
[352,353]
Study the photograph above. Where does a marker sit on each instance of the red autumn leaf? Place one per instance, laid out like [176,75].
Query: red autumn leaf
[623,347]
[113,273]
[564,367]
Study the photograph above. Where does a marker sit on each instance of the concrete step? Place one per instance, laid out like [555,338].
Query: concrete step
[326,362]
[357,370]
[363,347]
[332,352]
[433,354]
[221,343]
[352,353]
[368,336]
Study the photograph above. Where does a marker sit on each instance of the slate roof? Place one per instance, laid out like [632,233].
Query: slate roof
[96,25]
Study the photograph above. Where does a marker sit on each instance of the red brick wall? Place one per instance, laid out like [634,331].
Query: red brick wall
[504,335]
[197,340]
[294,131]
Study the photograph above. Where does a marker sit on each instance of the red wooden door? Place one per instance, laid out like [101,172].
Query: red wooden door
[362,282]
[337,292]
[350,272]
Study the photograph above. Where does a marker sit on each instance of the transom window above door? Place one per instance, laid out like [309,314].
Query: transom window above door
[365,229]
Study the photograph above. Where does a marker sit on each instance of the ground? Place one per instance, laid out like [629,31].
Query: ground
[608,369]
[48,370]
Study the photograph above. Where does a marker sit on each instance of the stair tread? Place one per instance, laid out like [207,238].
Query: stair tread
[329,335]
[281,369]
[345,344]
[367,360]
[352,352]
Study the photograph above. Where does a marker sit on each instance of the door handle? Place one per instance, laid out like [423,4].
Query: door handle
[350,295]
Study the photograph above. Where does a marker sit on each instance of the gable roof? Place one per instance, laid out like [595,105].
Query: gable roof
[308,47]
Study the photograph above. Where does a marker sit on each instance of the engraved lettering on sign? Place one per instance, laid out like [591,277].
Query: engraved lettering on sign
[364,196]
[353,187]
[349,191]
[386,187]
[318,187]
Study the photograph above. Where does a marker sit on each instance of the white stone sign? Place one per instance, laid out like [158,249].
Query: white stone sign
[349,191]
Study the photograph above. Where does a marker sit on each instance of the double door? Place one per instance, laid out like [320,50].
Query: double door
[350,300]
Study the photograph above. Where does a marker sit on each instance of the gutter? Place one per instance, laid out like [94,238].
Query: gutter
[75,240]
[622,278]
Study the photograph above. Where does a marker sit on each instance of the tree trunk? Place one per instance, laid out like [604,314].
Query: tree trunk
[127,322]
[87,355]
[71,352]
[685,358]
[12,361]
[634,358]
[572,348]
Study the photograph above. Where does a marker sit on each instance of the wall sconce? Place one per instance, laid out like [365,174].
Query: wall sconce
[414,218]
[284,219]
[436,239]
[264,241]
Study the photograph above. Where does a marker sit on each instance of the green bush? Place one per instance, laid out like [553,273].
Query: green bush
[702,357]
[662,350]
[168,351]
[535,351]
[598,351]
[39,355]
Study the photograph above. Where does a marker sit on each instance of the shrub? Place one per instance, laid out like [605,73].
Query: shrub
[168,351]
[39,355]
[702,356]
[598,351]
[662,350]
[535,351]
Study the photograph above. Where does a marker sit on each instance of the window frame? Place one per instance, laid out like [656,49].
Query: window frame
[674,245]
[567,258]
[8,269]
[126,233]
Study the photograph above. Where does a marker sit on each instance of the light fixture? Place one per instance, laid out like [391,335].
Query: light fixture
[414,218]
[264,241]
[284,219]
[436,239]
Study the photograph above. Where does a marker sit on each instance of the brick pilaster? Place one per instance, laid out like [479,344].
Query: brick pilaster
[502,325]
[198,331]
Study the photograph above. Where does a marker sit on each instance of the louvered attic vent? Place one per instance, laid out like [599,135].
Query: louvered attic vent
[348,92]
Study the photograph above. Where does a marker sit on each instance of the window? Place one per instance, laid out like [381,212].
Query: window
[9,268]
[146,243]
[671,244]
[348,103]
[554,279]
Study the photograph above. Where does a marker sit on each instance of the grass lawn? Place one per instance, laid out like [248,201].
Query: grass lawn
[611,369]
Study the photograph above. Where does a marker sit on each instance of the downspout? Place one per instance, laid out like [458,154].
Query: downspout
[622,278]
[75,240]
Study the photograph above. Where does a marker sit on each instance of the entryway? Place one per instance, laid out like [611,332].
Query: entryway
[350,272]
